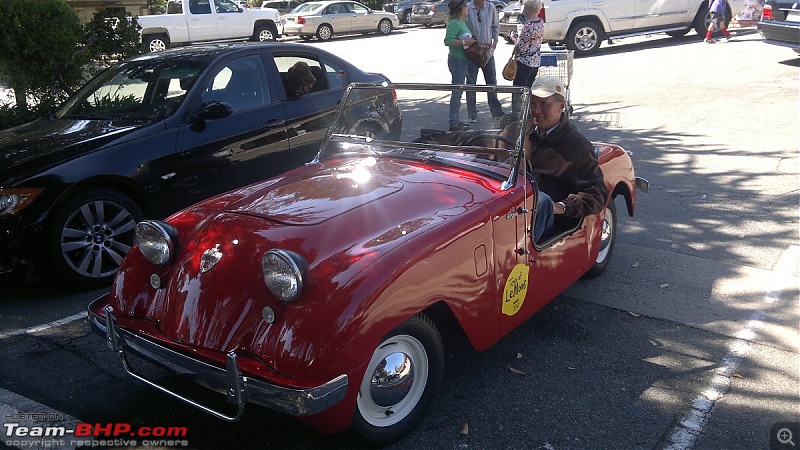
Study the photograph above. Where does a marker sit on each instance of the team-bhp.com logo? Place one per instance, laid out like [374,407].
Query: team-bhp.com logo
[94,434]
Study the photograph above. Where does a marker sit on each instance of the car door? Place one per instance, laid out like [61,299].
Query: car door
[621,14]
[232,22]
[659,13]
[539,274]
[309,115]
[339,17]
[202,22]
[249,145]
[361,19]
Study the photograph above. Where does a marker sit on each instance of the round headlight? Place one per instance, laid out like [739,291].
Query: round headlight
[155,241]
[284,273]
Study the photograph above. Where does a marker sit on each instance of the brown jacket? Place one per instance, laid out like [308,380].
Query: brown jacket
[564,165]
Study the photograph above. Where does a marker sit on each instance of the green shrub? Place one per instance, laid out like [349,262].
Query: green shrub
[46,54]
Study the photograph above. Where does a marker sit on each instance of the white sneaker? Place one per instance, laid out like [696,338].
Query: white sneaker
[709,41]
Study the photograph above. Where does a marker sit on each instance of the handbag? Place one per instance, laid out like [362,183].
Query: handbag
[510,69]
[479,54]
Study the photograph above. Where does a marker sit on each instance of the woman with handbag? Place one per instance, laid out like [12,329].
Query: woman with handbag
[527,49]
[457,37]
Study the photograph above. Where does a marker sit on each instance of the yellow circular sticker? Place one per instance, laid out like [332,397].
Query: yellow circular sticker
[516,288]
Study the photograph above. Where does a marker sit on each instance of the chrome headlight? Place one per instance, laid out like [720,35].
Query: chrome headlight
[284,274]
[13,200]
[156,240]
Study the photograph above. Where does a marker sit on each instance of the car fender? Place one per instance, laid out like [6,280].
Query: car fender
[556,30]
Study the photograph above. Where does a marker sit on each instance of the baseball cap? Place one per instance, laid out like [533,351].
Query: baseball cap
[547,86]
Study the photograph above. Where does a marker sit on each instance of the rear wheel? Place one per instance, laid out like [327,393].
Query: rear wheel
[405,17]
[400,383]
[607,239]
[702,20]
[265,33]
[324,32]
[92,233]
[679,33]
[156,43]
[369,129]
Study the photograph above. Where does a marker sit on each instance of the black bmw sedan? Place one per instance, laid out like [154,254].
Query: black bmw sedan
[159,132]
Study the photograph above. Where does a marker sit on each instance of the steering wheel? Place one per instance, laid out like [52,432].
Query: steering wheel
[496,137]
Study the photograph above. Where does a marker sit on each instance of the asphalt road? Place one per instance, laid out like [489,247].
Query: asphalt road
[689,340]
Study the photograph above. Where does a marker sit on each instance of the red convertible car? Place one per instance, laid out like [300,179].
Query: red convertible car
[320,293]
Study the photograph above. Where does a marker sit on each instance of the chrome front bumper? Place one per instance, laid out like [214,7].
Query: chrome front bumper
[239,389]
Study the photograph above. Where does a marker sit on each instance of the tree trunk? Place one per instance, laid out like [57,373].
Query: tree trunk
[21,96]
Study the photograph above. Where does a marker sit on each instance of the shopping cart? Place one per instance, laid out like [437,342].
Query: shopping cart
[557,62]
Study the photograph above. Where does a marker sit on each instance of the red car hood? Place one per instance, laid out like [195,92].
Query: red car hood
[322,195]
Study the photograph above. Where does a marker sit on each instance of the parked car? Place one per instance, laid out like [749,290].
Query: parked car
[156,133]
[430,13]
[777,9]
[402,9]
[326,18]
[582,25]
[208,20]
[780,26]
[321,293]
[284,6]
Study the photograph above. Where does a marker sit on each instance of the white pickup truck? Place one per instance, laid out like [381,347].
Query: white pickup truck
[189,21]
[582,25]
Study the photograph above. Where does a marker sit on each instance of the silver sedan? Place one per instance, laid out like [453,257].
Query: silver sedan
[326,18]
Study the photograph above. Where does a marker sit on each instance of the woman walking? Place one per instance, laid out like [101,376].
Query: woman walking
[457,37]
[528,48]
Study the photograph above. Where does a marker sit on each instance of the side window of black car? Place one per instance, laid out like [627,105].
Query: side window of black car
[242,83]
[301,75]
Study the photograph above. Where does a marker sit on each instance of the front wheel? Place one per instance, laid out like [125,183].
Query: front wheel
[400,383]
[91,234]
[324,32]
[607,238]
[385,26]
[584,38]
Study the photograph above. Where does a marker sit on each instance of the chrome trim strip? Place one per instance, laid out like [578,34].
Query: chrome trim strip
[238,389]
[642,185]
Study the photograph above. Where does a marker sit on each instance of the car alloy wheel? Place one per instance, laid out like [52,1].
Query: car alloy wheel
[400,382]
[324,32]
[157,43]
[385,26]
[265,35]
[93,232]
[584,39]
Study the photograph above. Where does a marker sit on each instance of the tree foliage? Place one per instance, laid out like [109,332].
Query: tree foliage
[46,53]
[39,40]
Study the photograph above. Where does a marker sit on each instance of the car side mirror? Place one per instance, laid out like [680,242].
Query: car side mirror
[213,110]
[209,111]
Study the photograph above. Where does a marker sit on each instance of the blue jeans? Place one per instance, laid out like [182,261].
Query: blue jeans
[525,77]
[490,76]
[545,223]
[458,73]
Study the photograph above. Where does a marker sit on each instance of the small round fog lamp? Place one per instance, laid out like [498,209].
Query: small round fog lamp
[155,281]
[268,314]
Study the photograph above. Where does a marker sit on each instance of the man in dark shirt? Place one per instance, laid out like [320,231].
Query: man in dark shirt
[561,160]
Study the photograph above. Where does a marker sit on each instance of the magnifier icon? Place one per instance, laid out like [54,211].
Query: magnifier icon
[785,436]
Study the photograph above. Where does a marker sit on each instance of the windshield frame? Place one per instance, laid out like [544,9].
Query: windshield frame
[334,141]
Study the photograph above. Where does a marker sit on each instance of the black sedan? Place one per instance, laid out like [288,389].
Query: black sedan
[780,24]
[159,132]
